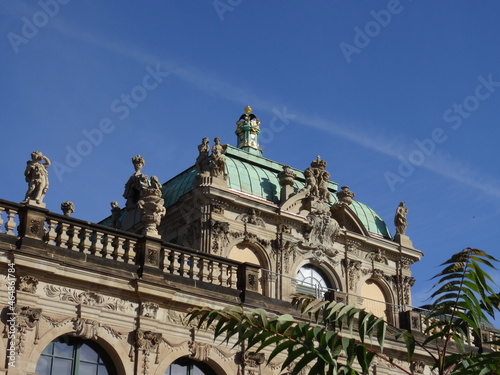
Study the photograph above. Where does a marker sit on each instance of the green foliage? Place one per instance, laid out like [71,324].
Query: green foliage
[462,303]
[335,338]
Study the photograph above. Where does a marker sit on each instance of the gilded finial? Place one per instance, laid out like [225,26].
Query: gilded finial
[248,109]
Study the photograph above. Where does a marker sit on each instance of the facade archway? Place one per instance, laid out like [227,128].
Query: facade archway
[247,253]
[188,366]
[375,299]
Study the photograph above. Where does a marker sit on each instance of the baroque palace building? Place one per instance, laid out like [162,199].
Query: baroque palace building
[233,229]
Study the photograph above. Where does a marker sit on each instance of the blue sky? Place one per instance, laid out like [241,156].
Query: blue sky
[401,98]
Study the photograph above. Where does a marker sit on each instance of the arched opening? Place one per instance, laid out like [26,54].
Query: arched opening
[74,356]
[374,299]
[187,366]
[245,253]
[312,280]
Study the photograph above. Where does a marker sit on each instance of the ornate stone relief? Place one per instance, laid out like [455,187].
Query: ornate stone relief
[87,298]
[322,229]
[220,235]
[284,254]
[28,284]
[217,208]
[317,179]
[149,309]
[418,367]
[251,362]
[89,329]
[199,351]
[26,320]
[252,218]
[353,272]
[377,256]
[147,343]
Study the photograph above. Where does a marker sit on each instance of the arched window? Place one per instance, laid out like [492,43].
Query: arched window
[312,280]
[186,366]
[74,356]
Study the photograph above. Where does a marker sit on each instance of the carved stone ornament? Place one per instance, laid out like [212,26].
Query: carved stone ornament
[149,309]
[36,227]
[152,207]
[345,195]
[28,284]
[251,362]
[353,272]
[286,176]
[418,367]
[67,208]
[37,178]
[284,254]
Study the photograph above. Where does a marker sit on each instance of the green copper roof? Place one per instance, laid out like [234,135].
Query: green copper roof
[258,176]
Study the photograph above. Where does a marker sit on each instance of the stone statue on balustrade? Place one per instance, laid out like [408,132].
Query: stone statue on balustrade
[203,160]
[37,178]
[317,180]
[218,160]
[400,221]
[135,183]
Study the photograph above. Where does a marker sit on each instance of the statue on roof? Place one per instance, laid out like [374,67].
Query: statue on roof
[317,180]
[37,177]
[202,161]
[400,219]
[135,183]
[247,131]
[218,160]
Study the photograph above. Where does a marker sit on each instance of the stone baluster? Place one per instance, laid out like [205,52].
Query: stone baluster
[85,243]
[223,274]
[10,225]
[62,235]
[119,251]
[52,232]
[106,250]
[233,276]
[213,273]
[194,270]
[96,247]
[203,265]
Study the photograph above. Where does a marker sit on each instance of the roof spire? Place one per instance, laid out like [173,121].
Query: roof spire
[248,130]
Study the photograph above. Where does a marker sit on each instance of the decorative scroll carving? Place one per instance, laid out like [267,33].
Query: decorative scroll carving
[87,298]
[199,351]
[28,284]
[251,362]
[149,309]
